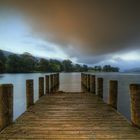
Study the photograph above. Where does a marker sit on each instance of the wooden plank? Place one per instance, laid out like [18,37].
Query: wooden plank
[71,116]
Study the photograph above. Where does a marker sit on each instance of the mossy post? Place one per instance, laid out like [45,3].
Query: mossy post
[93,84]
[135,104]
[29,93]
[47,81]
[113,93]
[41,86]
[100,87]
[6,105]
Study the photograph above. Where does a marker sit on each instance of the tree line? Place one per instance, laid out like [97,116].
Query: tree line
[26,63]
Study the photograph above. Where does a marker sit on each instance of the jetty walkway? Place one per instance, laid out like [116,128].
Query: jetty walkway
[70,116]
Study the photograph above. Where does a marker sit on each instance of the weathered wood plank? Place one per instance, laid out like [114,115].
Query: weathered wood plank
[70,116]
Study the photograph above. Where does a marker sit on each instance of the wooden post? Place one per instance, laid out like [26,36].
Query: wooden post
[135,104]
[113,93]
[51,83]
[41,86]
[47,84]
[100,87]
[6,105]
[54,82]
[81,80]
[88,82]
[85,81]
[93,84]
[29,93]
[57,80]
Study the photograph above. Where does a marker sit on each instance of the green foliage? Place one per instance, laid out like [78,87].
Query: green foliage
[106,68]
[26,63]
[42,65]
[2,62]
[67,66]
[13,64]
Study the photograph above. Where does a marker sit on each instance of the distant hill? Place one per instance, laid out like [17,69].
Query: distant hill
[6,53]
[133,70]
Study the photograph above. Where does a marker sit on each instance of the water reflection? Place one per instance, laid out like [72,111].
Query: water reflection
[70,82]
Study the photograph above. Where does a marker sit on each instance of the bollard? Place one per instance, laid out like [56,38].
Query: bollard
[6,105]
[93,84]
[41,86]
[47,84]
[113,93]
[100,87]
[29,93]
[135,104]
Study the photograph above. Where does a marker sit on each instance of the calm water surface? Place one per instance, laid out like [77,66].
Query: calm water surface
[68,82]
[71,82]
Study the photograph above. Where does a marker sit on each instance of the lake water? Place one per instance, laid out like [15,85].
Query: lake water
[71,82]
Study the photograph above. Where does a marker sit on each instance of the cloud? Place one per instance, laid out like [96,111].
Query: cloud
[89,31]
[98,26]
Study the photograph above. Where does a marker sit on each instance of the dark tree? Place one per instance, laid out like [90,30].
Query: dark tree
[28,63]
[13,64]
[67,66]
[43,65]
[2,62]
[85,68]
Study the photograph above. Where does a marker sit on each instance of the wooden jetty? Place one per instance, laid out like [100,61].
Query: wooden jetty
[71,116]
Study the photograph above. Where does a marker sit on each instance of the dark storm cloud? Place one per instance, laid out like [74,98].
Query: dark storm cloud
[90,27]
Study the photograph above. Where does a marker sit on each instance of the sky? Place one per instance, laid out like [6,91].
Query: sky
[92,32]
